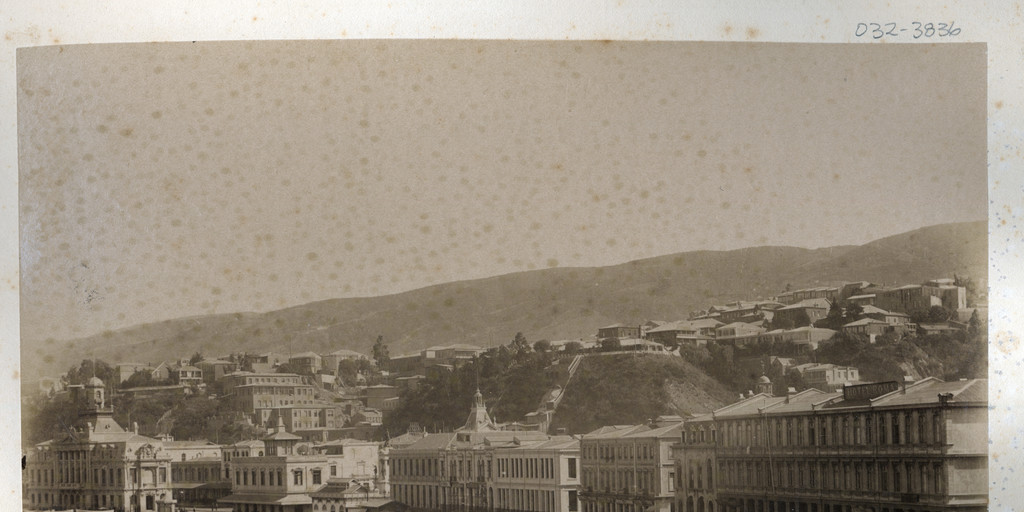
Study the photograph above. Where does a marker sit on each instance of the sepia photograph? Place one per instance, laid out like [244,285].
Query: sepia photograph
[504,276]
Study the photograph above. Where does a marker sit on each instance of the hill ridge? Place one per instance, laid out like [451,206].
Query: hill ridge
[555,303]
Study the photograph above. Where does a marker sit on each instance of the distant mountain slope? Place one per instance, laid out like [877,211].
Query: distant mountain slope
[554,303]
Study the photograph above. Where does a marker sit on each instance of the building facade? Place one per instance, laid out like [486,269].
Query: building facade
[483,468]
[629,468]
[249,392]
[98,465]
[878,447]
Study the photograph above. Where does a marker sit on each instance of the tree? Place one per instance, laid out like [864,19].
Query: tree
[139,379]
[348,372]
[853,312]
[798,319]
[573,347]
[834,319]
[380,352]
[519,344]
[968,284]
[292,367]
[542,346]
[610,344]
[90,368]
[195,359]
[974,324]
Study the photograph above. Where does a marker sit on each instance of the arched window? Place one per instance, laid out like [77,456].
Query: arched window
[711,480]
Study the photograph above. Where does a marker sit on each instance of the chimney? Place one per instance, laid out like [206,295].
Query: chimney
[135,427]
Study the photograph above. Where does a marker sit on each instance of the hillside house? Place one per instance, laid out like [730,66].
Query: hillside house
[619,331]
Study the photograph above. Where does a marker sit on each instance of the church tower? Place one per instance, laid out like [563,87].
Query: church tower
[478,420]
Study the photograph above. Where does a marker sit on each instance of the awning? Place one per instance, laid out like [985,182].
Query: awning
[267,499]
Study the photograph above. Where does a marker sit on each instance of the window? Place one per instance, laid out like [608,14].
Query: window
[316,476]
[573,504]
[297,477]
[334,470]
[920,429]
[572,467]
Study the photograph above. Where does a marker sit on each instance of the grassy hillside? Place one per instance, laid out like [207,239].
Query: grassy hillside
[630,389]
[552,303]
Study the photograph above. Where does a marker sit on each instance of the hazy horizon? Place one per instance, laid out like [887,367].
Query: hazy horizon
[258,312]
[171,180]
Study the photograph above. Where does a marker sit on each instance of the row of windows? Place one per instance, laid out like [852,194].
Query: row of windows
[699,476]
[463,469]
[275,390]
[274,380]
[414,467]
[922,427]
[194,474]
[433,497]
[526,468]
[903,477]
[632,481]
[618,451]
[266,477]
[612,506]
[101,500]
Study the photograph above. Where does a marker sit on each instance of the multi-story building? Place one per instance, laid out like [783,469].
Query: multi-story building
[827,376]
[187,450]
[821,292]
[189,375]
[619,331]
[280,480]
[381,397]
[318,415]
[802,313]
[806,336]
[889,317]
[629,468]
[215,369]
[883,447]
[689,332]
[98,464]
[353,460]
[308,362]
[738,334]
[480,467]
[199,481]
[249,392]
[331,361]
[451,356]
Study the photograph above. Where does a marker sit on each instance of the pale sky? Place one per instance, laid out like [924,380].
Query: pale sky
[159,181]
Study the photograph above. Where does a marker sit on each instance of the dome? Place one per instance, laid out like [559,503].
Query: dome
[764,380]
[95,382]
